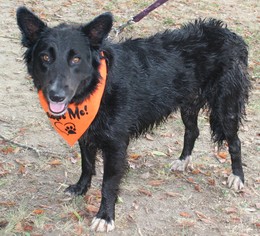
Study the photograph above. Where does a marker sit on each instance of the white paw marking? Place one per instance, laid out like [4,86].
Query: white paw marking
[180,165]
[235,182]
[100,225]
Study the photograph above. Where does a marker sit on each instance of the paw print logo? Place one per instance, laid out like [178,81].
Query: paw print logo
[70,128]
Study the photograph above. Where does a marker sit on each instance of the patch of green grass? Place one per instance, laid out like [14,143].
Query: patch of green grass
[225,192]
[214,4]
[182,188]
[40,221]
[141,4]
[163,172]
[168,21]
[3,182]
[77,215]
[109,6]
[13,217]
[255,106]
[245,204]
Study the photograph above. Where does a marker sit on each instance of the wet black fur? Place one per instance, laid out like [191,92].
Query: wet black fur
[201,64]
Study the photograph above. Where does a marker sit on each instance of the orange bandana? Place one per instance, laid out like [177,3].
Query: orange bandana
[73,124]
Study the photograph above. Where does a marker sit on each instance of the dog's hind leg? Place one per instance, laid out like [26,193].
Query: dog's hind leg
[88,155]
[189,117]
[225,123]
[114,169]
[236,179]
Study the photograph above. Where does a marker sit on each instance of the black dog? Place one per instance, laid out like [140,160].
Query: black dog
[201,64]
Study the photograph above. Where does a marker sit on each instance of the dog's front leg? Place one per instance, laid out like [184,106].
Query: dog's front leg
[88,155]
[114,169]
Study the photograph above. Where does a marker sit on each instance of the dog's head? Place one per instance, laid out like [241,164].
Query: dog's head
[63,61]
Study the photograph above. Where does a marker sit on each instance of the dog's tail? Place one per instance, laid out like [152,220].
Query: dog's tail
[230,95]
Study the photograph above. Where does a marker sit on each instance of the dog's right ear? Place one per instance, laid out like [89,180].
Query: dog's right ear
[98,29]
[30,25]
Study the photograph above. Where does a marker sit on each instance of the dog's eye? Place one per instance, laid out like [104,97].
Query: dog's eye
[46,58]
[75,60]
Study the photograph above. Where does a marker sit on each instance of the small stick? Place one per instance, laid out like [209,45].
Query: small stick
[37,151]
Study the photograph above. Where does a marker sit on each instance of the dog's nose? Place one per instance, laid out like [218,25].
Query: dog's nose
[55,97]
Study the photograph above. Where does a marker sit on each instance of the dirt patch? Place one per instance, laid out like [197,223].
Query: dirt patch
[153,201]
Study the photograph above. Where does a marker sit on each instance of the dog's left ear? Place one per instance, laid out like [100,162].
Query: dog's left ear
[98,29]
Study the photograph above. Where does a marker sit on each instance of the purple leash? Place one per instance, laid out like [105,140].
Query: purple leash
[141,15]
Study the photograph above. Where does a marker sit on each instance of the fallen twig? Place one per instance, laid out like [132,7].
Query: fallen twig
[20,145]
[37,151]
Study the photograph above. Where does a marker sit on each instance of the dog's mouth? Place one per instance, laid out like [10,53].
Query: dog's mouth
[58,108]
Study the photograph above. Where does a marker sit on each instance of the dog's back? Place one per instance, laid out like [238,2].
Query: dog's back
[189,67]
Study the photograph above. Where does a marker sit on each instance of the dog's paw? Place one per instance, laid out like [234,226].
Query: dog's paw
[180,165]
[75,190]
[235,182]
[101,225]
